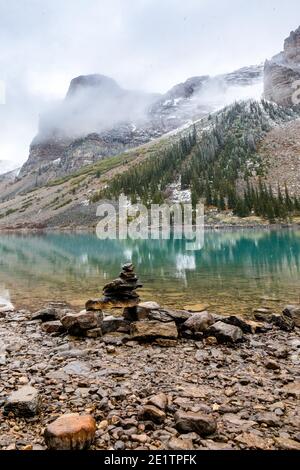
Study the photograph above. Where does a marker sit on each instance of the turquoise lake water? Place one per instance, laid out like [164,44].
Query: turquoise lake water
[235,271]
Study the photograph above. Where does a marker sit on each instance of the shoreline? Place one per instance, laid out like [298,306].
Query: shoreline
[207,227]
[245,392]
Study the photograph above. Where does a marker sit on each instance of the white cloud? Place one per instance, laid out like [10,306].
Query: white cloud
[143,44]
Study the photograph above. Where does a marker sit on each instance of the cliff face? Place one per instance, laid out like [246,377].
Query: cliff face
[98,118]
[282,72]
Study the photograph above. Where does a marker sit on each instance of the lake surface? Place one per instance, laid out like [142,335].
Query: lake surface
[235,271]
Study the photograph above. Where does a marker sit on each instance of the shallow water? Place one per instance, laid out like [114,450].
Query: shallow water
[233,273]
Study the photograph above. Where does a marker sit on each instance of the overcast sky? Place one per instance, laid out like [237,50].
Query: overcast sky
[143,44]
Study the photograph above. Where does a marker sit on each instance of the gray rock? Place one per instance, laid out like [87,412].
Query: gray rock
[144,308]
[74,353]
[284,322]
[225,333]
[46,314]
[77,368]
[293,311]
[247,326]
[2,358]
[78,323]
[111,324]
[24,402]
[199,322]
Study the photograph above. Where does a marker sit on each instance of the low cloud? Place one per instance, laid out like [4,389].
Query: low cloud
[143,44]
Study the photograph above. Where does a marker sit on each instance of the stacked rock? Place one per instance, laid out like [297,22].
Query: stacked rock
[119,293]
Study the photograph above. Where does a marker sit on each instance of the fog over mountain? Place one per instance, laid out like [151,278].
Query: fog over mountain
[144,45]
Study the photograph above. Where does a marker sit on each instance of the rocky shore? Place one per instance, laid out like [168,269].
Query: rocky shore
[148,377]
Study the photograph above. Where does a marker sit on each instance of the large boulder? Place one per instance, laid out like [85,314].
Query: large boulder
[199,322]
[24,402]
[70,432]
[225,333]
[145,330]
[77,324]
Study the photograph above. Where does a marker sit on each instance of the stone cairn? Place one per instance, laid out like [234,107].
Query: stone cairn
[144,321]
[120,293]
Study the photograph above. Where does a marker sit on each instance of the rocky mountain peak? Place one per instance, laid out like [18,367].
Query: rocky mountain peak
[283,71]
[292,47]
[92,83]
[98,118]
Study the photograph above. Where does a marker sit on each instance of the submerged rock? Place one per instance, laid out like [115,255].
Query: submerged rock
[24,402]
[70,432]
[197,308]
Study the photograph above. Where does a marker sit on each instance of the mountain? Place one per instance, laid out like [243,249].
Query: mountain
[215,158]
[98,118]
[282,73]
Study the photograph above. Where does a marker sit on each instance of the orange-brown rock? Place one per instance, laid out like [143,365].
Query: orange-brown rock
[70,432]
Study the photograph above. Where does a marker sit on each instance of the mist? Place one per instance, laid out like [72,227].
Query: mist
[145,45]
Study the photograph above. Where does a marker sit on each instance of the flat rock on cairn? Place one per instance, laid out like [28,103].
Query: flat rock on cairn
[70,432]
[119,293]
